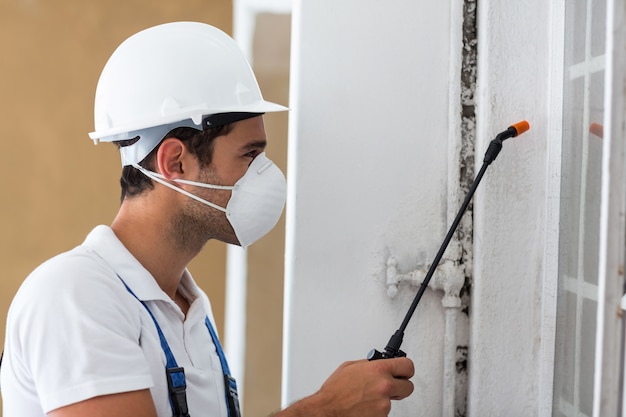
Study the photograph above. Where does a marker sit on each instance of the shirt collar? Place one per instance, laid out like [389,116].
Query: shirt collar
[103,241]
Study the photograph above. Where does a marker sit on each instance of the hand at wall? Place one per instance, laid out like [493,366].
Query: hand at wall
[358,389]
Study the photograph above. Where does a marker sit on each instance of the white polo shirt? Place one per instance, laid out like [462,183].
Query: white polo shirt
[74,332]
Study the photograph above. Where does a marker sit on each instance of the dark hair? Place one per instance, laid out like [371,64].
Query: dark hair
[199,142]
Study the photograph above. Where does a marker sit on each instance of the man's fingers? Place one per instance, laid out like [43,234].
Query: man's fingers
[400,370]
[402,388]
[400,367]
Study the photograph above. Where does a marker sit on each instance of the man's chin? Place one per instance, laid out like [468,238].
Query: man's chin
[230,240]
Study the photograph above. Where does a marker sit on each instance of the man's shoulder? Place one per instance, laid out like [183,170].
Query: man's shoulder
[75,264]
[68,277]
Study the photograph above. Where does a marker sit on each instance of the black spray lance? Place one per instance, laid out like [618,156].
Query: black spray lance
[392,350]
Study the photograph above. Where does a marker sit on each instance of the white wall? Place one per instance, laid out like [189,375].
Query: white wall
[373,137]
[368,178]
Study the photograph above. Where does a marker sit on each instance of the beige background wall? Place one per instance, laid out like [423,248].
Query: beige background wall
[56,185]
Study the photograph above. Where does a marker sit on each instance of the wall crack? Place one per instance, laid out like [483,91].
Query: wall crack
[469,66]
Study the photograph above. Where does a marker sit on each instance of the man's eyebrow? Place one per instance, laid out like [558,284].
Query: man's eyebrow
[257,144]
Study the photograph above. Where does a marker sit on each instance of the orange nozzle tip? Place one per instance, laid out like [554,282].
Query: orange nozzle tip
[596,129]
[521,127]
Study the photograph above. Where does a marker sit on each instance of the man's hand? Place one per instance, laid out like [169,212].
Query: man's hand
[358,389]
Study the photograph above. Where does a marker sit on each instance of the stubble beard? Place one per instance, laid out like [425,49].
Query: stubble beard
[193,226]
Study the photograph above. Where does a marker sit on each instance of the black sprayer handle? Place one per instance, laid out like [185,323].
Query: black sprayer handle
[392,350]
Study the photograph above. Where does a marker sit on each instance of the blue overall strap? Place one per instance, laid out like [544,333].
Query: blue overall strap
[230,385]
[218,346]
[176,383]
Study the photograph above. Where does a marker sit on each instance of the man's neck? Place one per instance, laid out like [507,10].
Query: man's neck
[146,239]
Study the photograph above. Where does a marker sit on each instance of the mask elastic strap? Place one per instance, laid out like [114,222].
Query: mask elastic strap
[159,178]
[201,184]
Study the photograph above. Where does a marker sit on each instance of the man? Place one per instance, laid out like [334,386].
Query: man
[117,326]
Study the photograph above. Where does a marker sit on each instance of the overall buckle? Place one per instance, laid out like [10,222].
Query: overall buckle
[177,387]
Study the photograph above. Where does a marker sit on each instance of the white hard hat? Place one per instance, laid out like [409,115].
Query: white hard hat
[173,75]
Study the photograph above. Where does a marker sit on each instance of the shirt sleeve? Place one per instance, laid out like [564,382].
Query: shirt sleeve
[77,334]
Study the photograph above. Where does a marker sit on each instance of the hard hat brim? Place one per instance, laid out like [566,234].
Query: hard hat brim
[120,132]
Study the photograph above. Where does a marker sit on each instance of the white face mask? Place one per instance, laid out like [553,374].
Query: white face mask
[256,202]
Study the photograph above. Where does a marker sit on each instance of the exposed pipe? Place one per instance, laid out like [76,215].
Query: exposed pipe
[449,278]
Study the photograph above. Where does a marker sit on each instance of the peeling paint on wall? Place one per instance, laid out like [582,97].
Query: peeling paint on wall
[461,370]
[468,127]
[468,140]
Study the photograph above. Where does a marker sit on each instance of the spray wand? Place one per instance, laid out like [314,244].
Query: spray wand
[392,350]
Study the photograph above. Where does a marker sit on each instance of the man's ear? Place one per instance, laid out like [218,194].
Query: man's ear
[170,158]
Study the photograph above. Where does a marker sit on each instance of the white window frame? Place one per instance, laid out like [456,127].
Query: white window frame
[611,269]
[609,360]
